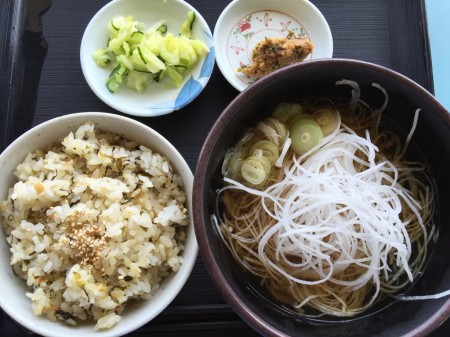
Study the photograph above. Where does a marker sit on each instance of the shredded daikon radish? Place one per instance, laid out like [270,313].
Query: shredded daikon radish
[350,199]
[386,101]
[328,179]
[386,97]
[411,132]
[425,297]
[286,145]
[337,208]
[356,92]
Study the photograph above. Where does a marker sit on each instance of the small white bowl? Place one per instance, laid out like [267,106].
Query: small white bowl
[244,23]
[137,313]
[159,98]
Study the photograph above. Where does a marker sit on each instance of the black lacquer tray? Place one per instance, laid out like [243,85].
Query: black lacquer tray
[41,78]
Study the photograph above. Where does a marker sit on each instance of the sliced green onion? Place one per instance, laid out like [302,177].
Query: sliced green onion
[281,112]
[305,134]
[285,112]
[233,161]
[298,118]
[297,108]
[258,156]
[328,119]
[253,171]
[269,150]
[279,127]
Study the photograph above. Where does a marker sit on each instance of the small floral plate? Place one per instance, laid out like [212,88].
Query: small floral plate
[158,98]
[244,23]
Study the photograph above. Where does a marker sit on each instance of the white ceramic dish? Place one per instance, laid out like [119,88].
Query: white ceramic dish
[12,296]
[159,98]
[244,23]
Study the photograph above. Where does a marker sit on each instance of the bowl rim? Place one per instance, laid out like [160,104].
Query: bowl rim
[187,92]
[200,220]
[226,71]
[177,280]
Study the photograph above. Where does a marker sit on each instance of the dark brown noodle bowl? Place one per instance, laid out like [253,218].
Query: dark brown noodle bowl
[242,221]
[311,80]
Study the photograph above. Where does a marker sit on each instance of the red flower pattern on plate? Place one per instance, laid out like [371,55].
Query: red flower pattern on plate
[285,26]
[267,19]
[243,25]
[237,49]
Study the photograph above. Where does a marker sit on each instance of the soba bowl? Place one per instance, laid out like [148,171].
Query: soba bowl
[431,140]
[13,299]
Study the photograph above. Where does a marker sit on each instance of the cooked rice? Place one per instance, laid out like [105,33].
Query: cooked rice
[94,222]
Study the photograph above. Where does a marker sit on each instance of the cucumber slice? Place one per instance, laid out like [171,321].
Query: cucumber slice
[174,75]
[136,38]
[186,27]
[188,55]
[154,64]
[170,50]
[158,77]
[138,80]
[147,55]
[116,77]
[152,42]
[115,24]
[141,55]
[162,29]
[199,46]
[145,60]
[155,27]
[102,57]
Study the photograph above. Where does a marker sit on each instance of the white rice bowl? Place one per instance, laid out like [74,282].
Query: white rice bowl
[174,270]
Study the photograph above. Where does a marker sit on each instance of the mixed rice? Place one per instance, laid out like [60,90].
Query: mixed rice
[93,222]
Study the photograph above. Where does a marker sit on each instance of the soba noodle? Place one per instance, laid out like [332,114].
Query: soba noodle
[335,228]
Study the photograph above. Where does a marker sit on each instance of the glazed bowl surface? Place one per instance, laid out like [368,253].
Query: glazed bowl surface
[244,23]
[431,139]
[160,97]
[137,313]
